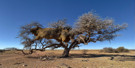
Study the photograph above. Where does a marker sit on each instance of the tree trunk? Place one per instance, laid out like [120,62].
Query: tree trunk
[66,52]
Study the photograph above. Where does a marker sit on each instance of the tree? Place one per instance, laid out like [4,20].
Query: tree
[88,28]
[27,37]
[122,49]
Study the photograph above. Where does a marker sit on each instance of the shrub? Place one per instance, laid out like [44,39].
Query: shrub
[1,51]
[122,49]
[108,50]
[111,50]
[84,52]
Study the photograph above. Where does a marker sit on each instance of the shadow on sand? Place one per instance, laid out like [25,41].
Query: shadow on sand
[96,55]
[117,57]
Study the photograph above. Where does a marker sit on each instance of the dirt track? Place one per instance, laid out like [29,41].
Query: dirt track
[51,59]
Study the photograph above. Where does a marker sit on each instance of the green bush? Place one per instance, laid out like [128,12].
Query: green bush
[111,50]
[108,50]
[122,49]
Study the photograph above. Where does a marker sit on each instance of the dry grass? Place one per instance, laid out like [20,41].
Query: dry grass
[91,59]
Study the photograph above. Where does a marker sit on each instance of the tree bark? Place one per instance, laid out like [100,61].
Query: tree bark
[66,52]
[67,49]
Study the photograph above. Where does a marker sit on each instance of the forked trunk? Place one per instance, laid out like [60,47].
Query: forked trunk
[66,52]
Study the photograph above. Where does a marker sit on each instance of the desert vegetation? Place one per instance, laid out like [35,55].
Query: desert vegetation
[84,51]
[76,59]
[122,49]
[11,48]
[112,50]
[1,51]
[41,43]
[88,28]
[67,34]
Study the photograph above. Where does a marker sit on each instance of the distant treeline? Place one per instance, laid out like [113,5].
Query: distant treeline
[10,48]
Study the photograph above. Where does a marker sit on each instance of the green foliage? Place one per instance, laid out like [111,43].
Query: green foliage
[112,50]
[122,49]
[108,50]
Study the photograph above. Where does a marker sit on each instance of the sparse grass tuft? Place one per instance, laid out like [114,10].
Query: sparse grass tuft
[84,51]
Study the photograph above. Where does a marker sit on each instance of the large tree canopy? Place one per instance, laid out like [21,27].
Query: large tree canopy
[88,28]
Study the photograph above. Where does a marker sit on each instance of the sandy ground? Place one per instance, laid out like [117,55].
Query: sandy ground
[51,59]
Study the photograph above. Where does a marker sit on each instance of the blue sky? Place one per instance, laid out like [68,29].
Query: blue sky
[16,13]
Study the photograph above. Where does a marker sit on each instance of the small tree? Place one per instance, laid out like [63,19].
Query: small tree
[88,28]
[112,50]
[122,49]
